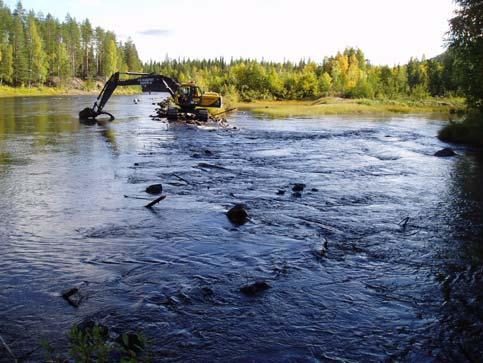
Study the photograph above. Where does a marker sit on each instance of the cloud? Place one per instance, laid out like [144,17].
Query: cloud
[155,32]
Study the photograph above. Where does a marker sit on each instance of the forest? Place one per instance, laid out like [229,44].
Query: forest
[40,50]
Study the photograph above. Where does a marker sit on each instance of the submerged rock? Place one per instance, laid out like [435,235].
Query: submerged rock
[314,190]
[446,152]
[237,215]
[254,288]
[154,189]
[280,192]
[298,187]
[74,296]
[296,194]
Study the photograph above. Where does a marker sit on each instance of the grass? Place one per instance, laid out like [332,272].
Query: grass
[7,91]
[469,131]
[340,106]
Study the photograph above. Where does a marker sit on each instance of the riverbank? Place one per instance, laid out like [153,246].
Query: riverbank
[280,109]
[6,91]
[469,131]
[342,106]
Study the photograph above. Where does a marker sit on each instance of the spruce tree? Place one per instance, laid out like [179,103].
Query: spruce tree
[37,58]
[20,64]
[6,65]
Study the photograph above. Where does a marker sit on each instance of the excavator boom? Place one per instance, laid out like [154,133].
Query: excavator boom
[149,82]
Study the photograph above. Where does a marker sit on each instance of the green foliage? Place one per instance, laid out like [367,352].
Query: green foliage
[466,41]
[20,66]
[93,344]
[469,131]
[35,49]
[6,64]
[36,54]
[347,74]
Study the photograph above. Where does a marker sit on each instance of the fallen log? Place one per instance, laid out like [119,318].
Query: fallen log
[156,201]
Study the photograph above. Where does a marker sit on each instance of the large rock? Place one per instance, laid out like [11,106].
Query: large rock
[154,189]
[298,187]
[254,288]
[446,152]
[237,215]
[74,296]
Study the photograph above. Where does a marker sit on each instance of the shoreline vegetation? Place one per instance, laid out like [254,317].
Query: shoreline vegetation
[345,106]
[44,91]
[283,108]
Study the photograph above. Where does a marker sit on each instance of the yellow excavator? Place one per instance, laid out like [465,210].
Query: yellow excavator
[189,102]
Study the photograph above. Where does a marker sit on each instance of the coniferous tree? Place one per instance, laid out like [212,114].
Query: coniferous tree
[36,54]
[131,56]
[6,65]
[86,36]
[20,62]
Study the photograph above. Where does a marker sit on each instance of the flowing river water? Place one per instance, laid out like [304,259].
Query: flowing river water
[399,279]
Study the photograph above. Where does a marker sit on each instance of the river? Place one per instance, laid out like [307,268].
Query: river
[400,278]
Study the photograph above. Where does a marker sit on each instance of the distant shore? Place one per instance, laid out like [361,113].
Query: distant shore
[7,91]
[342,106]
[282,108]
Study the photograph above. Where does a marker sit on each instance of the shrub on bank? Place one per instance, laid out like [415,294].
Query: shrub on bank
[469,131]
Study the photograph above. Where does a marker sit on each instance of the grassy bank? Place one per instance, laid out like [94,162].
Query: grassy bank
[469,131]
[6,91]
[336,106]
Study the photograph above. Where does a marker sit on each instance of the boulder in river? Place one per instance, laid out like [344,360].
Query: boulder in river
[154,189]
[280,192]
[446,152]
[296,194]
[237,215]
[254,288]
[298,187]
[74,296]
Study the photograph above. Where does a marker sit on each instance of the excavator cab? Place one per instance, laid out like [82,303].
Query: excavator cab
[188,96]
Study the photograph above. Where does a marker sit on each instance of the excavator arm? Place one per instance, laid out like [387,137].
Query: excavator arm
[149,82]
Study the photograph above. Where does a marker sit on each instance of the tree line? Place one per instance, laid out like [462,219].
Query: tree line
[37,49]
[347,74]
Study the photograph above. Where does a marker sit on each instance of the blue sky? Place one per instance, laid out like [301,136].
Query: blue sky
[388,31]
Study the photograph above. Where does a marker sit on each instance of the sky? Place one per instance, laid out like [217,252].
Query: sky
[388,31]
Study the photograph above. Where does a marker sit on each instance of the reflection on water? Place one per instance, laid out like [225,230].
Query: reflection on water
[383,290]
